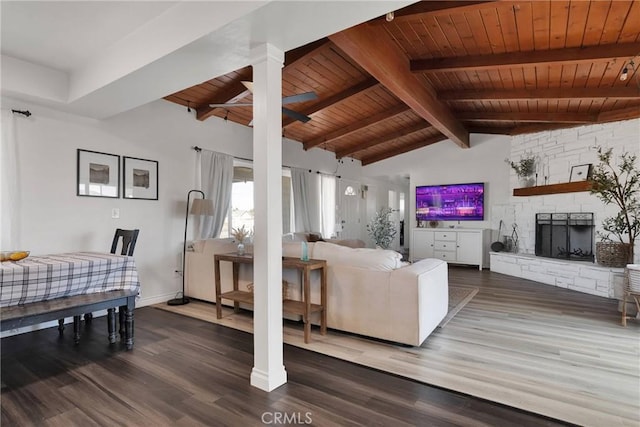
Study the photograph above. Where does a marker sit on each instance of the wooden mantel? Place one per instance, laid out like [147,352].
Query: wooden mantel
[565,187]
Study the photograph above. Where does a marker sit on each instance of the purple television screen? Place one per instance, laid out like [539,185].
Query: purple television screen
[455,202]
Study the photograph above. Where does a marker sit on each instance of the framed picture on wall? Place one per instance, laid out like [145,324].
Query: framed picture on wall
[140,179]
[98,174]
[580,173]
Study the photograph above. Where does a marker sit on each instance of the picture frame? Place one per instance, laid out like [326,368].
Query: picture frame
[580,173]
[98,174]
[140,179]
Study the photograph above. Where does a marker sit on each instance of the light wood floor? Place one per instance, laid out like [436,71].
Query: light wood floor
[552,351]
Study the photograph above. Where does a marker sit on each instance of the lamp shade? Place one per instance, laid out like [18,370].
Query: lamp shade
[202,207]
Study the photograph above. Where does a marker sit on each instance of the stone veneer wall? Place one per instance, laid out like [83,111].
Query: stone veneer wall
[557,151]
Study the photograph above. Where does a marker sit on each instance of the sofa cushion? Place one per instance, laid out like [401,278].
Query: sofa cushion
[372,259]
[352,243]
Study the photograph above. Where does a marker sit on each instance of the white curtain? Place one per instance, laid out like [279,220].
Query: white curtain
[327,205]
[306,199]
[217,182]
[9,185]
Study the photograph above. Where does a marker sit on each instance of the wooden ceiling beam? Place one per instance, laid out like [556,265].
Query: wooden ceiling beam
[558,117]
[357,126]
[235,91]
[334,100]
[617,92]
[383,139]
[619,114]
[402,149]
[382,58]
[574,55]
[490,130]
[540,127]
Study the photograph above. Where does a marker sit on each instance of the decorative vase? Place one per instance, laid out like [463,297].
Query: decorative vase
[527,181]
[240,248]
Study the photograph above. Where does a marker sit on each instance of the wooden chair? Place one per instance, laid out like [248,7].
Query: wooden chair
[128,239]
[631,290]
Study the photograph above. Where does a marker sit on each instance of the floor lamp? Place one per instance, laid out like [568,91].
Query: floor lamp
[202,207]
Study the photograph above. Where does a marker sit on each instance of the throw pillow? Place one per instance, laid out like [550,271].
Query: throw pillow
[312,237]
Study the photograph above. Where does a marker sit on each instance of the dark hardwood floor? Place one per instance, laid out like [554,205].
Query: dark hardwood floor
[184,371]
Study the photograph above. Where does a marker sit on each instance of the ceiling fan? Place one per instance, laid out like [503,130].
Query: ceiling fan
[301,97]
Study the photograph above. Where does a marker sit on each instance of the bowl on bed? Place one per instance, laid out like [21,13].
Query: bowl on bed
[13,255]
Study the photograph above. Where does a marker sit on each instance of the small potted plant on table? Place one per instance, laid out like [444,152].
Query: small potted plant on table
[240,234]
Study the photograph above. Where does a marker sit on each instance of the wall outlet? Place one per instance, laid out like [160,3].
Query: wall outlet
[115,213]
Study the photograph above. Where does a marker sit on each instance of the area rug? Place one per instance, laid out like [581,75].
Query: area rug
[459,296]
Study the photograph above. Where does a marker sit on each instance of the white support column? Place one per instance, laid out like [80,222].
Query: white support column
[268,371]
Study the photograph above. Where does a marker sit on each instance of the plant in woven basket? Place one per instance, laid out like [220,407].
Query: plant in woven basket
[618,185]
[381,229]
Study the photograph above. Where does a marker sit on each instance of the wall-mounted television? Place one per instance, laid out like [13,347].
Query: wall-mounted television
[453,202]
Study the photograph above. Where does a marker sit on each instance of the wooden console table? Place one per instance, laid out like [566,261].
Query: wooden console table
[303,308]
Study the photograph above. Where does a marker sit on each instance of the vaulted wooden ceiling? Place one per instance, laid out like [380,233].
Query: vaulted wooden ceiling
[444,69]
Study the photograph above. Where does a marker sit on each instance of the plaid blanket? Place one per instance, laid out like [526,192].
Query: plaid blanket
[40,278]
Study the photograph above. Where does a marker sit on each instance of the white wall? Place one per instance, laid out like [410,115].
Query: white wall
[447,163]
[55,220]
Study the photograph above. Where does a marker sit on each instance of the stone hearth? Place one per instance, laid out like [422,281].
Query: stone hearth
[576,275]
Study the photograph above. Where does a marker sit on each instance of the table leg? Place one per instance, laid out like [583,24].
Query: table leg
[218,290]
[307,305]
[76,329]
[111,324]
[128,327]
[60,326]
[236,273]
[323,300]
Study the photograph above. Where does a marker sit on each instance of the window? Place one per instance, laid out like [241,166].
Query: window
[328,205]
[241,211]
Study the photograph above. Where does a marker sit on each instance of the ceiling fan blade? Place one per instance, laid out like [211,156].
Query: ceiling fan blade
[295,115]
[301,97]
[248,85]
[239,104]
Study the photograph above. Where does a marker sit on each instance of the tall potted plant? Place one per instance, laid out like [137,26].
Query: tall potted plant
[381,229]
[618,185]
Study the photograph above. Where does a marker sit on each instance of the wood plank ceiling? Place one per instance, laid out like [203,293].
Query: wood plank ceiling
[443,70]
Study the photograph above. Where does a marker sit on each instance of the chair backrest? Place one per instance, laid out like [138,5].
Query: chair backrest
[129,238]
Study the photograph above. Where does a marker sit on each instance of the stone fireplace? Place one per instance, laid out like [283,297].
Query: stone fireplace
[565,236]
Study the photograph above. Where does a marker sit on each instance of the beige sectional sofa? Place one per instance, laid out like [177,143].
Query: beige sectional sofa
[370,292]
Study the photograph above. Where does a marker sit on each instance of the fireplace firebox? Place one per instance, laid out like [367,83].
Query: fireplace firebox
[565,236]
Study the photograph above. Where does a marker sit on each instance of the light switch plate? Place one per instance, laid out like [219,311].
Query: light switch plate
[115,213]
